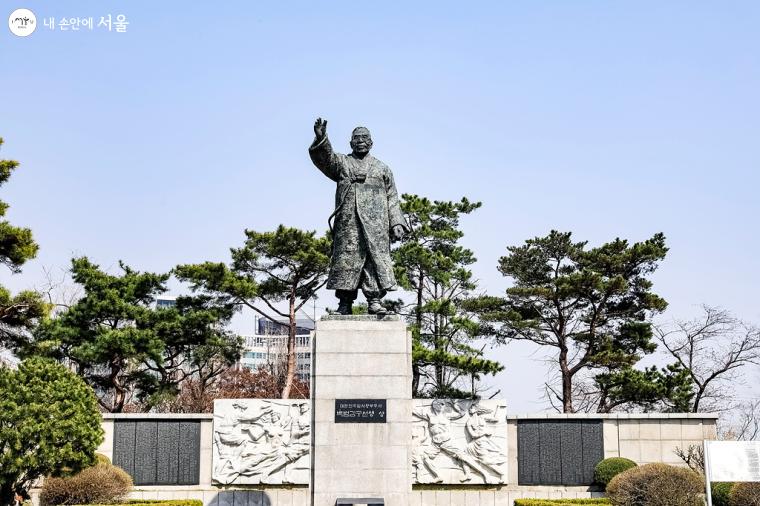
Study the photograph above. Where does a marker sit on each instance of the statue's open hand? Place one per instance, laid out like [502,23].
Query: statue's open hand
[320,128]
[397,232]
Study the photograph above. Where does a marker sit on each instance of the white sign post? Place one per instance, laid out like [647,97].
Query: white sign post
[731,461]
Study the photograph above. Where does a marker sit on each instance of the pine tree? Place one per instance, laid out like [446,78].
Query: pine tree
[17,313]
[288,265]
[593,306]
[432,264]
[125,347]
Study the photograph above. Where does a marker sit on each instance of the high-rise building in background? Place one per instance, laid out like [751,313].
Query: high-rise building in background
[269,346]
[165,301]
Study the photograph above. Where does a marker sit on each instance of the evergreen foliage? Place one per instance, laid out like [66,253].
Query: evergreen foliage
[288,265]
[49,424]
[721,493]
[122,345]
[593,305]
[609,468]
[18,312]
[432,264]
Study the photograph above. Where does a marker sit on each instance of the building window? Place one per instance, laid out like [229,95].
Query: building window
[165,303]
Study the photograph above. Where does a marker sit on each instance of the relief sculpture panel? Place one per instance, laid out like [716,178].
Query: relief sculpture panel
[458,441]
[261,441]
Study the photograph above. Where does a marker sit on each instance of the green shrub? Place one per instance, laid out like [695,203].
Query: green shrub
[552,502]
[656,485]
[50,424]
[745,494]
[720,493]
[609,468]
[101,483]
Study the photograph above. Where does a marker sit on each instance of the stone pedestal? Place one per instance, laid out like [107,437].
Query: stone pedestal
[361,357]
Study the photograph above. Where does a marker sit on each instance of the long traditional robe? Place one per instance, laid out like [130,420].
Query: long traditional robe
[366,209]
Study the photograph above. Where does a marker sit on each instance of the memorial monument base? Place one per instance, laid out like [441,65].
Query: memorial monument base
[362,403]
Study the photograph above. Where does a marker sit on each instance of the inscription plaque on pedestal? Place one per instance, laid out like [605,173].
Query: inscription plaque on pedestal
[360,410]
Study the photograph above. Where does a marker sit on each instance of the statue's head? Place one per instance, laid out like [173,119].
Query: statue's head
[437,406]
[361,141]
[303,407]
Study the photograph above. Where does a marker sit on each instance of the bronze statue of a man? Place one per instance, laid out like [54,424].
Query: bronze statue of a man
[367,216]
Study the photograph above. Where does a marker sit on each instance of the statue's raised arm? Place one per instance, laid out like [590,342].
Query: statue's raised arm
[321,151]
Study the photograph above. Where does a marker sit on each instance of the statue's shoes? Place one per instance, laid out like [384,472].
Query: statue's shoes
[377,308]
[344,309]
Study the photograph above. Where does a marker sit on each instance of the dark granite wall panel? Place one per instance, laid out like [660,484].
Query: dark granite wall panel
[593,449]
[571,455]
[189,453]
[167,453]
[550,452]
[558,452]
[146,440]
[528,468]
[124,446]
[160,452]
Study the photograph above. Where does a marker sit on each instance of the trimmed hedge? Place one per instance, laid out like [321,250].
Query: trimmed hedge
[551,502]
[101,483]
[745,494]
[155,502]
[609,468]
[656,485]
[721,492]
[164,502]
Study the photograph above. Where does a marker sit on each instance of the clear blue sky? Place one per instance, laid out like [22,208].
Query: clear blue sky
[160,145]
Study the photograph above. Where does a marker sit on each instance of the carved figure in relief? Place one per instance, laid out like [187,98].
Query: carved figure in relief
[298,445]
[439,428]
[257,441]
[481,445]
[229,440]
[268,435]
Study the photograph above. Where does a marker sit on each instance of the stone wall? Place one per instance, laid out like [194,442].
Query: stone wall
[643,438]
[654,438]
[502,496]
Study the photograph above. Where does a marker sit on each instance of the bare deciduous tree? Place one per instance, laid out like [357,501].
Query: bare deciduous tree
[744,424]
[59,290]
[712,348]
[693,456]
